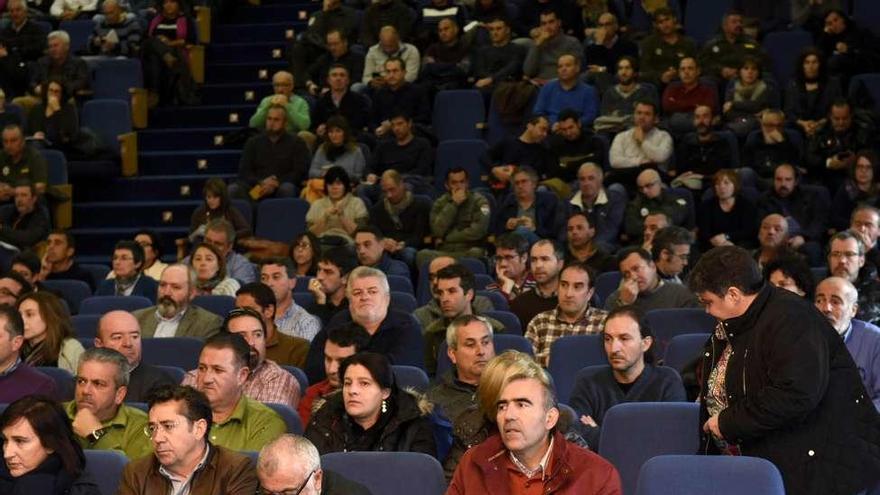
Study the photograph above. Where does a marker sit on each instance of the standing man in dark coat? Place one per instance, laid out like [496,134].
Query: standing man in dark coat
[779,383]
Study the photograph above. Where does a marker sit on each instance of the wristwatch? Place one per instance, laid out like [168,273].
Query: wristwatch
[96,435]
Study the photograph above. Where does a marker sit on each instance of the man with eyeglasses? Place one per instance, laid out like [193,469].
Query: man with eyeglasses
[846,259]
[129,280]
[652,197]
[99,418]
[671,251]
[291,465]
[184,461]
[512,273]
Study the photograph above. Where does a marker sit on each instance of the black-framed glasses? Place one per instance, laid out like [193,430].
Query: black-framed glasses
[262,491]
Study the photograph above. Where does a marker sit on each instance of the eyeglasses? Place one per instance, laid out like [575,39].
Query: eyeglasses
[843,254]
[167,428]
[262,491]
[648,185]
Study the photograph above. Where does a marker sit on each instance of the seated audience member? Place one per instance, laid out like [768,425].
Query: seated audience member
[671,251]
[455,295]
[68,10]
[791,273]
[546,258]
[664,49]
[431,312]
[618,101]
[220,234]
[99,418]
[26,265]
[498,61]
[126,38]
[643,289]
[550,44]
[527,212]
[865,222]
[810,93]
[654,221]
[49,337]
[151,243]
[119,330]
[766,150]
[166,71]
[512,275]
[832,150]
[567,92]
[25,224]
[59,60]
[723,55]
[274,162]
[837,299]
[217,206]
[641,146]
[266,381]
[630,376]
[773,237]
[53,123]
[342,342]
[446,62]
[291,463]
[804,206]
[398,95]
[304,252]
[653,197]
[389,47]
[430,16]
[129,278]
[529,442]
[295,109]
[582,245]
[312,43]
[20,162]
[335,217]
[858,188]
[290,318]
[469,348]
[370,398]
[339,100]
[212,277]
[846,259]
[682,97]
[729,217]
[573,314]
[338,53]
[369,245]
[58,262]
[239,422]
[174,315]
[17,378]
[573,145]
[459,220]
[25,42]
[408,154]
[608,48]
[393,333]
[700,154]
[844,43]
[386,13]
[401,217]
[45,457]
[339,149]
[527,149]
[330,282]
[280,348]
[180,452]
[605,205]
[746,98]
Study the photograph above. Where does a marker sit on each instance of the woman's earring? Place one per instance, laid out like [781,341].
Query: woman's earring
[384,406]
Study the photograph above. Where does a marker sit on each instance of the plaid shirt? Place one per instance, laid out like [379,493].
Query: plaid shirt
[546,327]
[269,382]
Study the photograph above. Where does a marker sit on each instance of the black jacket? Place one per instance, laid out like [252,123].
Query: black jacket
[411,225]
[404,428]
[795,397]
[49,478]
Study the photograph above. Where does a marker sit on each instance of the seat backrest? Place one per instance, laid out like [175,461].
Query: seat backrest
[108,118]
[866,13]
[512,325]
[289,415]
[217,304]
[97,271]
[683,349]
[410,377]
[304,299]
[280,219]
[73,292]
[182,352]
[381,471]
[403,301]
[667,323]
[502,341]
[606,283]
[302,283]
[79,31]
[481,281]
[634,432]
[702,19]
[300,376]
[457,113]
[85,326]
[106,468]
[99,305]
[57,164]
[464,153]
[64,385]
[113,78]
[570,354]
[475,265]
[709,475]
[499,302]
[175,372]
[399,283]
[244,207]
[783,48]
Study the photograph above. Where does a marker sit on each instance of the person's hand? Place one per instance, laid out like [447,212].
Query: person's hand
[587,420]
[278,100]
[85,422]
[512,223]
[720,240]
[542,37]
[796,241]
[458,196]
[506,283]
[555,128]
[841,47]
[3,51]
[483,83]
[383,129]
[711,426]
[503,172]
[312,88]
[53,104]
[638,134]
[628,290]
[668,75]
[164,39]
[321,130]
[527,223]
[39,135]
[727,106]
[68,14]
[389,245]
[107,46]
[317,290]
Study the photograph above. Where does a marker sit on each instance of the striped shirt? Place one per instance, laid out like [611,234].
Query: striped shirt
[547,326]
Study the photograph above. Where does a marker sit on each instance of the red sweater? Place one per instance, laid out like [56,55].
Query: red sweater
[677,99]
[316,391]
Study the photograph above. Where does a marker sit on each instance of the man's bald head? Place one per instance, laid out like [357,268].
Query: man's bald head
[120,331]
[648,183]
[836,298]
[774,231]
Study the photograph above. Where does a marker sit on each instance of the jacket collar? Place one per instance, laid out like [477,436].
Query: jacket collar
[745,322]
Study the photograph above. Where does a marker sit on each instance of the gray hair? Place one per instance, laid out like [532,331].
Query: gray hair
[60,35]
[223,225]
[192,277]
[21,3]
[288,450]
[106,355]
[460,321]
[367,272]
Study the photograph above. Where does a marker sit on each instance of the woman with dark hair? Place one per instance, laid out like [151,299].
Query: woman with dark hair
[305,251]
[211,276]
[860,187]
[846,48]
[152,244]
[747,96]
[339,213]
[339,149]
[217,205]
[48,332]
[727,217]
[41,454]
[791,272]
[371,413]
[54,121]
[810,93]
[165,58]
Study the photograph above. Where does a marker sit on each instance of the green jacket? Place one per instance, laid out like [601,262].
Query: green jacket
[251,426]
[32,168]
[124,432]
[463,226]
[718,53]
[657,55]
[297,114]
